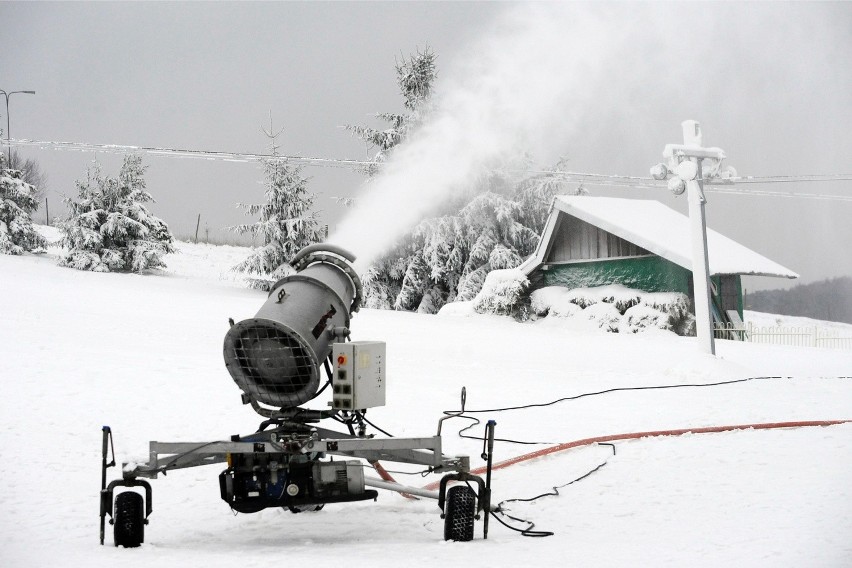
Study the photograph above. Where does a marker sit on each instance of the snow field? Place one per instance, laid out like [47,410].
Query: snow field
[143,355]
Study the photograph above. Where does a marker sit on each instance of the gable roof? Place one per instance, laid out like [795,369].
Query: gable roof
[657,229]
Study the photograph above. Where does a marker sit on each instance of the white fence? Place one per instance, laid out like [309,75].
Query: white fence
[797,336]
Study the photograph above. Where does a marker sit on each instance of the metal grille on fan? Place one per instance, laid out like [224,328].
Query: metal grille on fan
[273,360]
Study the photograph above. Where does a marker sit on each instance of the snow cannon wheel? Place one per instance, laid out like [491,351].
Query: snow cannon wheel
[460,514]
[129,520]
[305,508]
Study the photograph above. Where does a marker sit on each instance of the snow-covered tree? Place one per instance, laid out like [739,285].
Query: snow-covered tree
[109,228]
[286,222]
[31,173]
[492,223]
[415,77]
[17,202]
[535,193]
[482,230]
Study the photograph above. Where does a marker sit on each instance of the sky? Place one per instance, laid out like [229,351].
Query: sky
[604,85]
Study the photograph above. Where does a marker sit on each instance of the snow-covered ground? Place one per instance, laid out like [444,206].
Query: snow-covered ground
[143,354]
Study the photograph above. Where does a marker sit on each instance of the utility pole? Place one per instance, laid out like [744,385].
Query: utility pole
[685,161]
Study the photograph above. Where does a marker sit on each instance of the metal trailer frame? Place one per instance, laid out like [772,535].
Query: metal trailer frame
[300,439]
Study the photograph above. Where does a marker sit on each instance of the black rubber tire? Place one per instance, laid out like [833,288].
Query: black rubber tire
[460,513]
[305,508]
[129,520]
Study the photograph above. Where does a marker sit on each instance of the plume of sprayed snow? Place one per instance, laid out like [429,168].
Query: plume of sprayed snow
[546,72]
[512,83]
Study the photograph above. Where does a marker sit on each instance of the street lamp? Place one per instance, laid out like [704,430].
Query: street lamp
[7,95]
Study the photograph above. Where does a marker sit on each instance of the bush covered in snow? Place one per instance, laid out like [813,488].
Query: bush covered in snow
[108,227]
[673,303]
[617,308]
[606,316]
[554,301]
[17,203]
[501,293]
[641,317]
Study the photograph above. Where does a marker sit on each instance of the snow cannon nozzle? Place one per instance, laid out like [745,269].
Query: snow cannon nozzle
[276,356]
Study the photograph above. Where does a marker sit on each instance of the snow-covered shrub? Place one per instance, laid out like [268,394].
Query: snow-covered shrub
[108,227]
[286,223]
[564,309]
[542,299]
[553,300]
[17,203]
[501,293]
[641,317]
[457,308]
[675,304]
[606,316]
[637,309]
[686,326]
[583,297]
[622,297]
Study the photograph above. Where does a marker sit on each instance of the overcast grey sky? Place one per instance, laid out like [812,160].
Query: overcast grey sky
[771,85]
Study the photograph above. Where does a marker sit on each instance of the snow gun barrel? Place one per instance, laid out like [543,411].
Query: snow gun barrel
[276,357]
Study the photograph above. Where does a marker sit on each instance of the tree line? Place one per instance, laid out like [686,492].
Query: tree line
[829,300]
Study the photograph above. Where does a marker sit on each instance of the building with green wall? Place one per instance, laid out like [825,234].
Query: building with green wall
[641,244]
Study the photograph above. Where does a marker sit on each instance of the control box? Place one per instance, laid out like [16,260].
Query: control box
[358,379]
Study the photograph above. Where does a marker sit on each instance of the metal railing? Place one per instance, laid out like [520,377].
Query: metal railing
[796,336]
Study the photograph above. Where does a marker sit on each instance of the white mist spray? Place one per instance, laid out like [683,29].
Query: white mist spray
[543,73]
[510,85]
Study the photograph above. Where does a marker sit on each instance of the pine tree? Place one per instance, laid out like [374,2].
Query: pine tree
[415,77]
[286,222]
[108,227]
[17,202]
[447,258]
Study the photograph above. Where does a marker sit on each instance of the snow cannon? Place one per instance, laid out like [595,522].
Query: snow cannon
[276,356]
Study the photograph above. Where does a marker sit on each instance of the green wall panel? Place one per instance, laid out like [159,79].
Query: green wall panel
[650,273]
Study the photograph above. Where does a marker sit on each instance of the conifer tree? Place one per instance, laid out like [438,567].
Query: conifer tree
[17,202]
[109,228]
[286,222]
[415,77]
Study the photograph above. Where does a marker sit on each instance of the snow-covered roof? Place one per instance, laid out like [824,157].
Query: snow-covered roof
[657,229]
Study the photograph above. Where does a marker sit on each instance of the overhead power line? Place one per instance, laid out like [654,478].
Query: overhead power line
[589,179]
[242,157]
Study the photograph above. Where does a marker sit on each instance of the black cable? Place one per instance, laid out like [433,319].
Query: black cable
[524,532]
[325,386]
[618,389]
[461,414]
[555,493]
[422,473]
[364,418]
[186,453]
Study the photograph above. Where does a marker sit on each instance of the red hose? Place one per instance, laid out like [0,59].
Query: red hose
[383,473]
[635,435]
